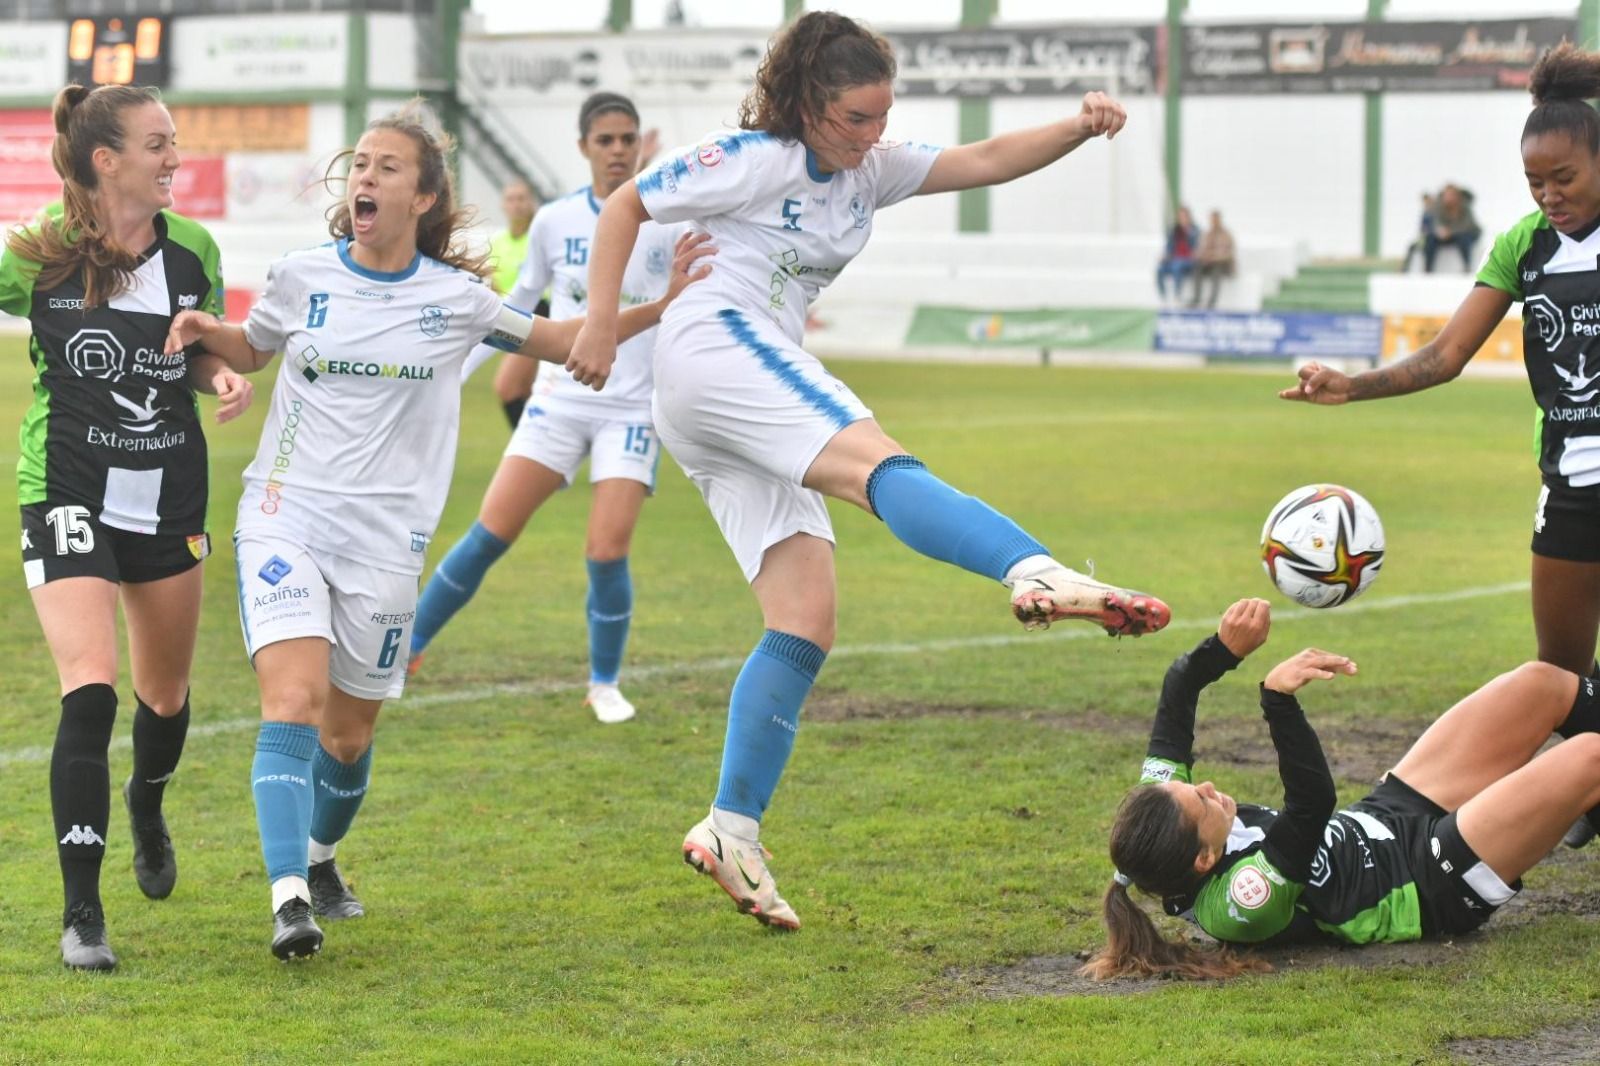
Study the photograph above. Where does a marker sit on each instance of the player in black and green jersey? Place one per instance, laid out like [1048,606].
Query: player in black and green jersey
[112,473]
[1548,262]
[1434,849]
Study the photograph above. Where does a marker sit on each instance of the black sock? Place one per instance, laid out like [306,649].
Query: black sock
[514,410]
[1584,717]
[80,789]
[157,746]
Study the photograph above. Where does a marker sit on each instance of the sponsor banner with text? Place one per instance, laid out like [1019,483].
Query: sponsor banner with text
[1026,61]
[1270,334]
[557,67]
[1120,329]
[260,53]
[1333,57]
[1404,334]
[33,58]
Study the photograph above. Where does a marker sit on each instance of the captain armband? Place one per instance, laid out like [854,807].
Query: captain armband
[511,328]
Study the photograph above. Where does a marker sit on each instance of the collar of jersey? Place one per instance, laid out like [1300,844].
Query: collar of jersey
[594,205]
[814,170]
[375,275]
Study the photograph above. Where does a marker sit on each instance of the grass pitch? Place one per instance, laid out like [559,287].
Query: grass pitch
[945,810]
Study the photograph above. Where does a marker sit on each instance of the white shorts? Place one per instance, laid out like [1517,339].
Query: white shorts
[617,444]
[286,591]
[745,411]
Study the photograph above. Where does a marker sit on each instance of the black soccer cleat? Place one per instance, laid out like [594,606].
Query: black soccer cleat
[331,897]
[155,865]
[294,934]
[83,940]
[1580,834]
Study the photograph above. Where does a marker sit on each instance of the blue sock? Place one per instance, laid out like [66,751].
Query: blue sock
[932,518]
[763,714]
[610,608]
[340,788]
[281,780]
[454,582]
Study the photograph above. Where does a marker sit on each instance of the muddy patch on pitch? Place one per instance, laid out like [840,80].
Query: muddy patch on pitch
[1566,1044]
[1563,886]
[1358,749]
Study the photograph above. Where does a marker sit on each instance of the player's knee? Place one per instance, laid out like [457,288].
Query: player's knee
[1546,683]
[301,703]
[346,744]
[167,699]
[605,548]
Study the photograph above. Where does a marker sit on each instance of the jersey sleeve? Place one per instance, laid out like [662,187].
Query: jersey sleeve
[1309,795]
[267,326]
[16,283]
[1250,901]
[902,167]
[715,177]
[1171,751]
[1501,268]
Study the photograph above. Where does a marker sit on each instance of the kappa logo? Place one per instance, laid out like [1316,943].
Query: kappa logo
[83,834]
[434,321]
[96,353]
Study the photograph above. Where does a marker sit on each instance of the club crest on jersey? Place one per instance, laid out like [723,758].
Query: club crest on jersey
[655,260]
[710,154]
[199,545]
[1250,888]
[858,211]
[434,321]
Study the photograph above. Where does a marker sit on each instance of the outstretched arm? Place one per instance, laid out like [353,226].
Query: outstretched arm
[1309,795]
[1440,360]
[1011,155]
[593,348]
[1242,630]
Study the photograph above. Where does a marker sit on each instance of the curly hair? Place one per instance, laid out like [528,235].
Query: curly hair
[440,231]
[1562,82]
[77,240]
[807,65]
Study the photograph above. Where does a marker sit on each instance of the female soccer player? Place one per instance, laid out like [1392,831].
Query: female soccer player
[765,431]
[112,476]
[348,482]
[1548,262]
[1432,851]
[567,422]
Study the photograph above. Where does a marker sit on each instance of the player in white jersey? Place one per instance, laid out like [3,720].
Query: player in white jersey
[565,422]
[347,486]
[765,431]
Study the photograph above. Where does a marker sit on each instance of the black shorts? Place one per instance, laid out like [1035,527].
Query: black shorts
[67,540]
[1456,891]
[1566,525]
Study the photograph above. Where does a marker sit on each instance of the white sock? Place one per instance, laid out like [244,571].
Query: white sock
[740,825]
[286,888]
[320,852]
[1032,566]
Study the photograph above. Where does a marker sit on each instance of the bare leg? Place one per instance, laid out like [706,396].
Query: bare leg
[163,618]
[842,467]
[1488,735]
[520,487]
[79,619]
[796,589]
[1566,611]
[612,518]
[1515,822]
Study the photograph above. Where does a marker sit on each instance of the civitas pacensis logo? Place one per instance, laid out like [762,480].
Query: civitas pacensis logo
[96,353]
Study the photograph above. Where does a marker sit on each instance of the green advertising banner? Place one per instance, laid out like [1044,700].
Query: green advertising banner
[1121,329]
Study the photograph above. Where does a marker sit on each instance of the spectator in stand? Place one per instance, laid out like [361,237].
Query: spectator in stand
[1213,260]
[1451,223]
[1414,249]
[1178,261]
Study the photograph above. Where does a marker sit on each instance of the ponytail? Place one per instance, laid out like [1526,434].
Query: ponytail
[1136,948]
[807,65]
[77,241]
[1154,847]
[1562,82]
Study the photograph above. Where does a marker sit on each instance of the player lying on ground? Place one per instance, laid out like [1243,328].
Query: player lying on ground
[1433,850]
[348,483]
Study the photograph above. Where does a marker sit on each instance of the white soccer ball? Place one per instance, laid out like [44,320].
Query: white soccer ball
[1322,545]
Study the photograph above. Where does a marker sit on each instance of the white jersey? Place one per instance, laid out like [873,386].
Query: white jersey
[558,259]
[783,230]
[359,444]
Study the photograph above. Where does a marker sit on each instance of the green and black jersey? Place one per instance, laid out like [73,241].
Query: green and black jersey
[1557,279]
[1285,872]
[114,425]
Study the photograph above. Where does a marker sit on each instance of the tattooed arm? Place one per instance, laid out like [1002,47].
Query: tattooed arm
[1438,361]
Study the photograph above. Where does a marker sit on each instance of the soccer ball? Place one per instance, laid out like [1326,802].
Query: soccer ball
[1322,545]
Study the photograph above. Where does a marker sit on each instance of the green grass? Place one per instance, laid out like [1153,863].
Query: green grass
[520,862]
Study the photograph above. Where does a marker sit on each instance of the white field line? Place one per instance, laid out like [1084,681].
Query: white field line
[39,754]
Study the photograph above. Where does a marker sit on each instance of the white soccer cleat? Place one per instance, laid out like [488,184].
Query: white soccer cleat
[609,704]
[1062,593]
[740,867]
